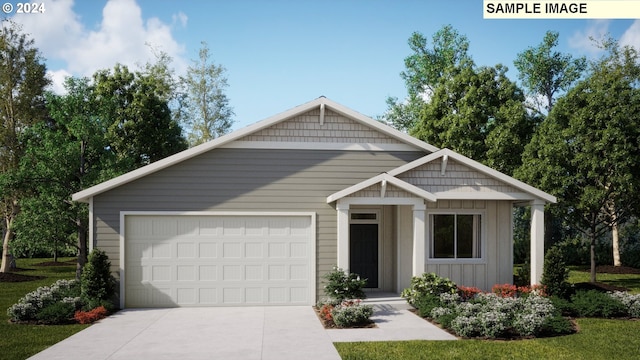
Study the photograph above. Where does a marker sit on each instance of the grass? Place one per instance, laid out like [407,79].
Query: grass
[23,341]
[597,339]
[629,281]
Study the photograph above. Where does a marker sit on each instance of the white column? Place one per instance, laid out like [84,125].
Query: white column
[537,240]
[419,239]
[343,235]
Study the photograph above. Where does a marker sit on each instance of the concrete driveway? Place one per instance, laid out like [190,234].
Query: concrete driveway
[291,332]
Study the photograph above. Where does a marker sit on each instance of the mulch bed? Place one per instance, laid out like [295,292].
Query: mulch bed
[610,269]
[56,263]
[13,277]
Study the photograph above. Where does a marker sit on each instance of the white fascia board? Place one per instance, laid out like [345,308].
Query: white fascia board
[537,193]
[379,178]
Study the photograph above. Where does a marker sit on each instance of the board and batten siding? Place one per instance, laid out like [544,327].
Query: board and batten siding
[496,265]
[247,180]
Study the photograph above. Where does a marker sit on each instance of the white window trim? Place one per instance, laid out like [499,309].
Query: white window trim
[483,236]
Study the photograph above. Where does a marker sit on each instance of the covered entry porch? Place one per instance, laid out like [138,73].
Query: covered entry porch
[396,225]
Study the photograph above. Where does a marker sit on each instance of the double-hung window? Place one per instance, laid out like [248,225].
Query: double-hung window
[456,236]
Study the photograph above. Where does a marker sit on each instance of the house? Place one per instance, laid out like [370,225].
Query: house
[259,215]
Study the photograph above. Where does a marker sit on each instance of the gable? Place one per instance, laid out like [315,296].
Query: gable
[456,177]
[314,127]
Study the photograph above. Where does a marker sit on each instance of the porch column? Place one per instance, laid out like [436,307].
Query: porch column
[419,239]
[343,235]
[537,240]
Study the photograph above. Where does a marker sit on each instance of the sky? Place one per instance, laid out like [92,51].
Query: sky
[282,53]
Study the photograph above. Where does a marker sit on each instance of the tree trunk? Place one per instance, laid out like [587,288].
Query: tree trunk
[6,257]
[82,248]
[593,256]
[616,244]
[11,214]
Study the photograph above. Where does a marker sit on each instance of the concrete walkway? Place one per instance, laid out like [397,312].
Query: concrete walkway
[394,322]
[248,333]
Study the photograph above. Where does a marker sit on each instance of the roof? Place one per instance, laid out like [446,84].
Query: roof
[321,102]
[445,155]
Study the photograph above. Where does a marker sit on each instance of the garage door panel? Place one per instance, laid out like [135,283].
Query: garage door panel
[217,260]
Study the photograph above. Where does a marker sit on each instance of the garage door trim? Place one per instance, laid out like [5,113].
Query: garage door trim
[312,245]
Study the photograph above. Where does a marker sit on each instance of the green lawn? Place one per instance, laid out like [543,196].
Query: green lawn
[629,281]
[597,339]
[22,341]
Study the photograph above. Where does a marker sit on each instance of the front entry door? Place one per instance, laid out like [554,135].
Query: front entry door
[363,252]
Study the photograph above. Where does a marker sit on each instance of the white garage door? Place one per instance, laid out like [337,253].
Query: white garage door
[213,260]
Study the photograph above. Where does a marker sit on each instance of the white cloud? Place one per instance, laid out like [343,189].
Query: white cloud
[122,36]
[582,40]
[631,37]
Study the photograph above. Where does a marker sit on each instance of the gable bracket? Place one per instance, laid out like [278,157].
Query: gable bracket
[321,114]
[445,160]
[383,188]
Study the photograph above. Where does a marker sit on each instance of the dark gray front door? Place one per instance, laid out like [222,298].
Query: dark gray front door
[363,252]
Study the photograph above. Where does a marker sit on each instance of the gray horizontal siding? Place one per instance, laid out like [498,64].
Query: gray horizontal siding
[247,180]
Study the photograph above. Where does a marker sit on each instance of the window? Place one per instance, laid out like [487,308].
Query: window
[455,236]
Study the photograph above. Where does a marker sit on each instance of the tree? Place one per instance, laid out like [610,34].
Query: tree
[545,72]
[586,151]
[479,113]
[207,113]
[140,129]
[22,83]
[425,68]
[65,154]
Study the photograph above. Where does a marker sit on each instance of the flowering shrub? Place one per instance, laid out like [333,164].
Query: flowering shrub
[88,317]
[31,305]
[631,302]
[351,313]
[343,285]
[509,290]
[468,293]
[325,312]
[428,284]
[492,316]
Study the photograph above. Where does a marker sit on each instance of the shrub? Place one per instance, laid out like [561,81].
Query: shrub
[594,303]
[57,313]
[97,282]
[426,303]
[91,316]
[467,293]
[492,316]
[351,314]
[557,325]
[555,274]
[342,285]
[631,302]
[428,283]
[32,304]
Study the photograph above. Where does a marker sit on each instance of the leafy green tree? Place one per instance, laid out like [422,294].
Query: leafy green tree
[22,83]
[586,151]
[479,113]
[140,129]
[207,114]
[545,72]
[425,68]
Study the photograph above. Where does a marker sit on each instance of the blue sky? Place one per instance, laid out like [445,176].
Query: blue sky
[279,54]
